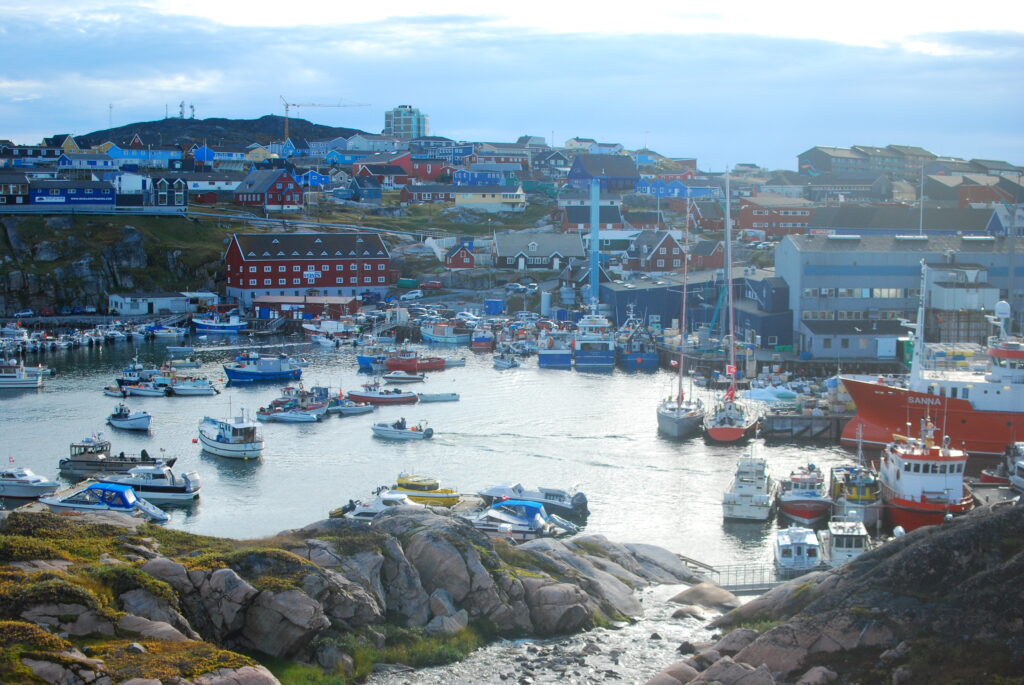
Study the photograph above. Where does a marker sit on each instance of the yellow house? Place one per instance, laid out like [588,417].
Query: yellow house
[259,154]
[491,199]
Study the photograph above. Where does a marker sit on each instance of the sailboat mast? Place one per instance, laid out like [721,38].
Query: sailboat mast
[682,309]
[728,277]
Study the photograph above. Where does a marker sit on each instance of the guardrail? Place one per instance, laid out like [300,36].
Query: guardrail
[745,578]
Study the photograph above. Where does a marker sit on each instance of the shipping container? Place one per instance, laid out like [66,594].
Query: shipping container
[408,283]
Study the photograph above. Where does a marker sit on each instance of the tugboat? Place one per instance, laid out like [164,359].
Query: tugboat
[923,482]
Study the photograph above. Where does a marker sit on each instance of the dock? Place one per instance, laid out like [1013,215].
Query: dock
[745,579]
[791,426]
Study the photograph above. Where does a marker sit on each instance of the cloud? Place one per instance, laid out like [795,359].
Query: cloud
[720,97]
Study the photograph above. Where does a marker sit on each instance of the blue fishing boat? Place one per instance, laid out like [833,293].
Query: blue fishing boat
[554,350]
[635,346]
[251,367]
[594,348]
[219,324]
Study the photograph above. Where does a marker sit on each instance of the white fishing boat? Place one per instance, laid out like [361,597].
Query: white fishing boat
[126,419]
[438,396]
[94,455]
[505,361]
[187,363]
[752,494]
[187,386]
[145,389]
[18,481]
[285,415]
[350,408]
[403,377]
[115,391]
[238,437]
[797,551]
[400,430]
[158,483]
[844,539]
[565,502]
[385,500]
[14,375]
[90,495]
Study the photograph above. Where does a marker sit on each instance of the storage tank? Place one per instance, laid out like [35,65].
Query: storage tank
[494,307]
[545,303]
[566,295]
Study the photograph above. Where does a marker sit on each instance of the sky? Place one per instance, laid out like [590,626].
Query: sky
[750,82]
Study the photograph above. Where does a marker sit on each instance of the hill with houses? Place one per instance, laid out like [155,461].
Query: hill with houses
[232,133]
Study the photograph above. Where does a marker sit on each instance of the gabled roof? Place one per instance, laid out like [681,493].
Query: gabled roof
[903,219]
[456,249]
[383,157]
[365,182]
[995,165]
[564,244]
[385,169]
[635,217]
[911,150]
[786,178]
[307,246]
[651,240]
[12,178]
[477,190]
[842,152]
[580,214]
[876,151]
[929,246]
[259,181]
[705,248]
[775,200]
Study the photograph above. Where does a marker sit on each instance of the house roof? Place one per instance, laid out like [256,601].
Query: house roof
[612,166]
[651,240]
[456,249]
[383,157]
[63,183]
[876,151]
[564,244]
[774,200]
[365,182]
[705,248]
[911,150]
[259,181]
[786,178]
[432,188]
[842,152]
[643,217]
[906,219]
[306,246]
[432,138]
[871,327]
[385,169]
[12,177]
[500,167]
[477,190]
[995,165]
[87,156]
[580,214]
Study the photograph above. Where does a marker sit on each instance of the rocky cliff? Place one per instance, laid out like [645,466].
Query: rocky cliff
[86,599]
[76,261]
[944,604]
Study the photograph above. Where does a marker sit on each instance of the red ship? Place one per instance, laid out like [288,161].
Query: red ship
[412,362]
[980,407]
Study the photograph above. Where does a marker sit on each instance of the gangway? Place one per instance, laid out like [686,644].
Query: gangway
[745,579]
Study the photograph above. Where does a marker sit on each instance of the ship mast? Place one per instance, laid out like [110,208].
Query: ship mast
[917,361]
[682,306]
[728,282]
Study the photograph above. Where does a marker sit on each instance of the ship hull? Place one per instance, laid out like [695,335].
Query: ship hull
[883,410]
[807,513]
[729,433]
[912,514]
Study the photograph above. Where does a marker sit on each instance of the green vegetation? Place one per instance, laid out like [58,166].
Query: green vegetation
[25,548]
[166,660]
[758,623]
[19,639]
[120,579]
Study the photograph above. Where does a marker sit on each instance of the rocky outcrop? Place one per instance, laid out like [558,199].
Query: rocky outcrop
[913,604]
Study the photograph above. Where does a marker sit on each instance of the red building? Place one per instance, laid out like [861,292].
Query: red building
[652,252]
[271,189]
[429,193]
[304,264]
[707,254]
[776,215]
[459,257]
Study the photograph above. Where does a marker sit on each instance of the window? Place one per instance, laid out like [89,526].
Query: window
[380,267]
[282,281]
[296,281]
[252,281]
[266,269]
[676,263]
[660,263]
[380,279]
[339,267]
[353,266]
[282,268]
[339,280]
[862,343]
[773,340]
[353,279]
[826,343]
[252,269]
[296,268]
[663,251]
[325,267]
[844,343]
[367,279]
[266,281]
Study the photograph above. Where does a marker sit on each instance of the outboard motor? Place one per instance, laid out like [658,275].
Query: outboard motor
[579,504]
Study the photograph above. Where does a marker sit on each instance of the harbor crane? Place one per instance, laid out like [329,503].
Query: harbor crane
[289,105]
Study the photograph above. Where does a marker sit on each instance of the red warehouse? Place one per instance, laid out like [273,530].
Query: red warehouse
[271,189]
[776,215]
[295,264]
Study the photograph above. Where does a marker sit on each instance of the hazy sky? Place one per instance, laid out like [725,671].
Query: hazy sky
[724,82]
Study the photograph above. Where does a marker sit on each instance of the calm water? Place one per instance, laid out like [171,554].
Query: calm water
[536,426]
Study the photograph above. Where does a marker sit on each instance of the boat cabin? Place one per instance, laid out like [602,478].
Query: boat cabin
[110,495]
[90,448]
[855,483]
[921,471]
[797,551]
[521,509]
[843,540]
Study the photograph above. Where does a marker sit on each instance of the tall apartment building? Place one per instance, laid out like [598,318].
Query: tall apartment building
[406,122]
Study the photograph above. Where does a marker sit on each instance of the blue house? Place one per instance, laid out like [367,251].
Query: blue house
[365,189]
[346,157]
[145,156]
[76,160]
[312,178]
[659,188]
[468,177]
[453,154]
[60,193]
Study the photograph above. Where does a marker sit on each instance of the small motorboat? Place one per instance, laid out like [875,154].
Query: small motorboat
[126,419]
[187,386]
[438,396]
[844,539]
[350,408]
[565,502]
[145,389]
[18,481]
[285,415]
[403,377]
[115,391]
[519,520]
[385,500]
[426,490]
[188,363]
[90,495]
[158,483]
[449,362]
[238,437]
[375,394]
[505,361]
[797,551]
[400,430]
[93,455]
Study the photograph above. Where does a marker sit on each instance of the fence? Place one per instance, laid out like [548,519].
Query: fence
[752,579]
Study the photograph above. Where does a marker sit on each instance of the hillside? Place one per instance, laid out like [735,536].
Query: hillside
[217,131]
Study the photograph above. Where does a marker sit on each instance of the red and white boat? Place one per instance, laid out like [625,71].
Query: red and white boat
[375,393]
[982,412]
[730,420]
[803,498]
[408,360]
[1002,474]
[923,482]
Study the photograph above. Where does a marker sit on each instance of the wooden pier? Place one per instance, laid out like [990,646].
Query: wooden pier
[804,426]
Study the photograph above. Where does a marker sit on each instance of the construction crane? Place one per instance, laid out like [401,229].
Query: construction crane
[289,105]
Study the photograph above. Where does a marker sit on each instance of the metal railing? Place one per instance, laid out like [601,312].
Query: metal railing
[745,578]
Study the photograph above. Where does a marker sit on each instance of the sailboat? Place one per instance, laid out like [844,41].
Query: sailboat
[679,417]
[730,420]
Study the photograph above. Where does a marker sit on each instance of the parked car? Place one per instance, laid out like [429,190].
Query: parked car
[77,310]
[411,295]
[532,287]
[46,311]
[90,309]
[25,312]
[515,288]
[431,285]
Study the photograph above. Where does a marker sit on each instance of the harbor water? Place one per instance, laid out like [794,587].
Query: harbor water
[595,431]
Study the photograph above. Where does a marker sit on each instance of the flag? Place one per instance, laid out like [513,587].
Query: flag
[730,394]
[730,370]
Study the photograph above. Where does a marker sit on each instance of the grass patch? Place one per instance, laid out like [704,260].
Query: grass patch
[761,625]
[350,542]
[121,579]
[520,561]
[177,543]
[18,639]
[80,541]
[293,673]
[24,548]
[166,660]
[591,548]
[43,588]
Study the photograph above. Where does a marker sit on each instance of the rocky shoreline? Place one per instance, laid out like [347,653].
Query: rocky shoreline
[104,599]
